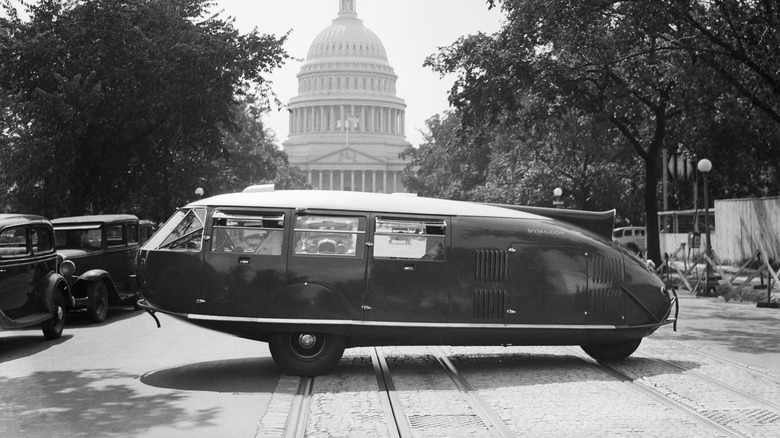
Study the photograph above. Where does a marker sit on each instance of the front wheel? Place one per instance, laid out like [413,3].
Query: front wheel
[306,354]
[97,302]
[612,352]
[52,327]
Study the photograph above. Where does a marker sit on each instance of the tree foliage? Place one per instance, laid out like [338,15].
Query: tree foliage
[598,77]
[123,105]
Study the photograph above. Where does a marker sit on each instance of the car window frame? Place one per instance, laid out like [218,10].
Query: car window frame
[360,235]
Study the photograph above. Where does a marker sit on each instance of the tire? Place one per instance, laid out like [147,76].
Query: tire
[97,302]
[306,354]
[52,328]
[612,352]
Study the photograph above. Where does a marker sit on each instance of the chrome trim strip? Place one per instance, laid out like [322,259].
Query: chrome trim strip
[200,317]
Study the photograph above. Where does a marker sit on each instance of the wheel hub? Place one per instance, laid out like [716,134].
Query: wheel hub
[307,340]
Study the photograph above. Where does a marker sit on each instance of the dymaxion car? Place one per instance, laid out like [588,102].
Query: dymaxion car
[315,272]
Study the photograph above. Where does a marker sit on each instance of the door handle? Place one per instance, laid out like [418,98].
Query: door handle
[365,307]
[408,267]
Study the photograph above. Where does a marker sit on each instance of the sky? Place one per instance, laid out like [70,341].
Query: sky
[409,29]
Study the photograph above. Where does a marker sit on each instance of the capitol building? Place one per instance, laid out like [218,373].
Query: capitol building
[347,125]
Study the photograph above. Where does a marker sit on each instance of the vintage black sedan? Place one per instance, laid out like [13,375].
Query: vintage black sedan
[32,290]
[103,248]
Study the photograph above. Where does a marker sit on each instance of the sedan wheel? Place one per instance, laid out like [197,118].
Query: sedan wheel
[52,328]
[97,302]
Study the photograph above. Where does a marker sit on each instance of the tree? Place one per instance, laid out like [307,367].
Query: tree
[521,163]
[251,156]
[121,105]
[606,59]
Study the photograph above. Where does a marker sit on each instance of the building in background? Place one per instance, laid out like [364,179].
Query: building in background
[347,125]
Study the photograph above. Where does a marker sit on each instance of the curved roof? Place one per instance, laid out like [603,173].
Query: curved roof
[347,37]
[11,219]
[360,201]
[95,218]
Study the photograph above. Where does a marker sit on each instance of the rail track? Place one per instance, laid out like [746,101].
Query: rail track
[423,392]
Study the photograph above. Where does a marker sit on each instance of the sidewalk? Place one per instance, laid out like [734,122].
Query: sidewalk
[738,331]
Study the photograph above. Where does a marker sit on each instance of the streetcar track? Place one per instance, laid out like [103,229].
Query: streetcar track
[757,372]
[299,411]
[494,423]
[731,422]
[391,404]
[648,390]
[713,381]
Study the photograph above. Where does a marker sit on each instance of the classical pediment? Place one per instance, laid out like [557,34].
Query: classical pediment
[347,156]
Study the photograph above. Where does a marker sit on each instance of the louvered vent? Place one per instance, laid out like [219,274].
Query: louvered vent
[489,303]
[605,304]
[492,266]
[606,270]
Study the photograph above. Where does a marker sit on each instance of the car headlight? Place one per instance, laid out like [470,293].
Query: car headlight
[67,268]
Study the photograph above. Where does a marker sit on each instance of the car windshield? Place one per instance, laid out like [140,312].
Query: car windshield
[182,232]
[84,237]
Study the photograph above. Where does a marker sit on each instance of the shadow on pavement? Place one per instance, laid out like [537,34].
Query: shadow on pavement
[23,345]
[88,404]
[115,314]
[248,375]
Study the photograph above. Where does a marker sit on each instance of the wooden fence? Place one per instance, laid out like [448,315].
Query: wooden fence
[747,225]
[741,227]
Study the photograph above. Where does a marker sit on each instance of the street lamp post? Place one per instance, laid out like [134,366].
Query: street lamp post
[557,202]
[705,166]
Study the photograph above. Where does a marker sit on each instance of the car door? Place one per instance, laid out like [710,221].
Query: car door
[170,263]
[16,271]
[118,256]
[549,283]
[244,261]
[409,269]
[326,270]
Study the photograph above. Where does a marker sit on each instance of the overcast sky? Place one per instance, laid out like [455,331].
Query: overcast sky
[409,29]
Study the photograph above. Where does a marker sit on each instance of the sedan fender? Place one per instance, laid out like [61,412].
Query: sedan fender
[53,283]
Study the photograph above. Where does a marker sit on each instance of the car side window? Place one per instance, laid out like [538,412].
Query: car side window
[409,239]
[247,233]
[42,241]
[115,235]
[13,242]
[337,236]
[132,233]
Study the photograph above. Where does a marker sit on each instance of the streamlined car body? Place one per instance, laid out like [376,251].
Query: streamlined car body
[314,272]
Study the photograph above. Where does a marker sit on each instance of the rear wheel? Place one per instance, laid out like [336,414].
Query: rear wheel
[52,328]
[97,302]
[306,354]
[612,352]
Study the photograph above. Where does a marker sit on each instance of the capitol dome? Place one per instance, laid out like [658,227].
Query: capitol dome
[347,37]
[347,126]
